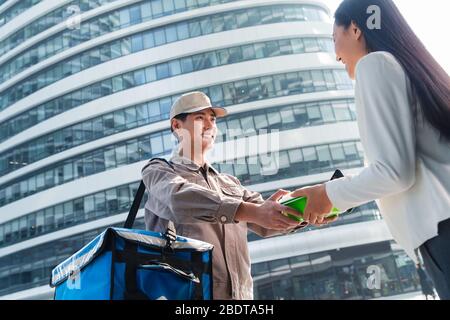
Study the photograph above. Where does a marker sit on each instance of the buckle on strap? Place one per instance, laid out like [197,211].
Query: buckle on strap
[171,237]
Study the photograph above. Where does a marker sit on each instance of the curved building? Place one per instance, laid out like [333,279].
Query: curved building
[85,93]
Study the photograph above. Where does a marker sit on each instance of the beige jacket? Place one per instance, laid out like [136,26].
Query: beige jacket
[202,203]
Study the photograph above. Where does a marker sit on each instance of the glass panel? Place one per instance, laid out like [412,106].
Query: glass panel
[342,111]
[49,220]
[318,80]
[124,17]
[112,203]
[100,204]
[68,171]
[130,117]
[182,31]
[141,114]
[68,213]
[160,37]
[274,118]
[137,43]
[309,154]
[157,144]
[261,121]
[110,158]
[313,114]
[171,34]
[78,206]
[139,77]
[194,29]
[157,8]
[149,40]
[89,207]
[337,152]
[283,160]
[248,52]
[287,115]
[175,68]
[187,65]
[123,197]
[327,113]
[162,71]
[206,26]
[323,153]
[132,151]
[59,216]
[99,161]
[135,14]
[144,148]
[168,6]
[150,74]
[146,10]
[350,150]
[295,156]
[168,140]
[180,5]
[121,155]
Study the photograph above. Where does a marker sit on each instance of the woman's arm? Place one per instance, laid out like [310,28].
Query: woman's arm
[386,126]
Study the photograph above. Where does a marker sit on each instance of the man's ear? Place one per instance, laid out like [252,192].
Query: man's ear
[355,31]
[175,124]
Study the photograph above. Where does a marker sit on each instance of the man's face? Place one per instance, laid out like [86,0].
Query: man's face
[199,130]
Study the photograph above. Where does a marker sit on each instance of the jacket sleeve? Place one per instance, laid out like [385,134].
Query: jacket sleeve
[174,198]
[387,132]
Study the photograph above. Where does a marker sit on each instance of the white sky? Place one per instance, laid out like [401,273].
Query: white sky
[429,19]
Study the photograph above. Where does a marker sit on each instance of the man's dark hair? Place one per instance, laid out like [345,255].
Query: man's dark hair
[181,116]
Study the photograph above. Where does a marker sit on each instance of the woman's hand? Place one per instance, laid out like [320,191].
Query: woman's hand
[318,205]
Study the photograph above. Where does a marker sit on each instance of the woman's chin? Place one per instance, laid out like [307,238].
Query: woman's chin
[350,71]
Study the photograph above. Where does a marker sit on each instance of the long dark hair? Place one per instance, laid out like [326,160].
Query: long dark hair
[429,81]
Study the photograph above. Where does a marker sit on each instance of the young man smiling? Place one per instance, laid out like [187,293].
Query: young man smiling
[207,205]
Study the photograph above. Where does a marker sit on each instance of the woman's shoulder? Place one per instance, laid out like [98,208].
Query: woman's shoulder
[379,63]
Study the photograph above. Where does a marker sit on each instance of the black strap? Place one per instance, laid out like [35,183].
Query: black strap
[132,292]
[198,287]
[135,206]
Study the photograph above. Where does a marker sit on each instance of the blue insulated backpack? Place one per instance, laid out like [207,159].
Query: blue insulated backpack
[128,264]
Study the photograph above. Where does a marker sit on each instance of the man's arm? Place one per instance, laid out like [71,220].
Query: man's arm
[174,198]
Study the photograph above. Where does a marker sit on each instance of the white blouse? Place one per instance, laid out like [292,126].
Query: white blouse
[408,164]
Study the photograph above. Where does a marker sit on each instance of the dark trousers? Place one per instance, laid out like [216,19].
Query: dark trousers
[436,258]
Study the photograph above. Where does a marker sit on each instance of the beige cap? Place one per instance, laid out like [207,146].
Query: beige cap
[192,102]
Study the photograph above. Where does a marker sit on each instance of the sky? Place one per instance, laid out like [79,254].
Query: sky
[429,20]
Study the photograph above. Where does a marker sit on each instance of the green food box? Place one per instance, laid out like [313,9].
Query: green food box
[299,204]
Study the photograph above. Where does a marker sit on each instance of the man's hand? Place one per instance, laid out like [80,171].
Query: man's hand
[326,221]
[268,214]
[318,205]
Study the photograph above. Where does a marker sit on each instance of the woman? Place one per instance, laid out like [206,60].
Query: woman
[402,101]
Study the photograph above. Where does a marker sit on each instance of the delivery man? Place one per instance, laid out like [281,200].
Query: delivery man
[207,205]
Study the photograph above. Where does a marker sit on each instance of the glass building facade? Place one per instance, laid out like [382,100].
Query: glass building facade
[83,108]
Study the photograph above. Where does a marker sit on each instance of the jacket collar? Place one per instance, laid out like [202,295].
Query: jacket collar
[188,163]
